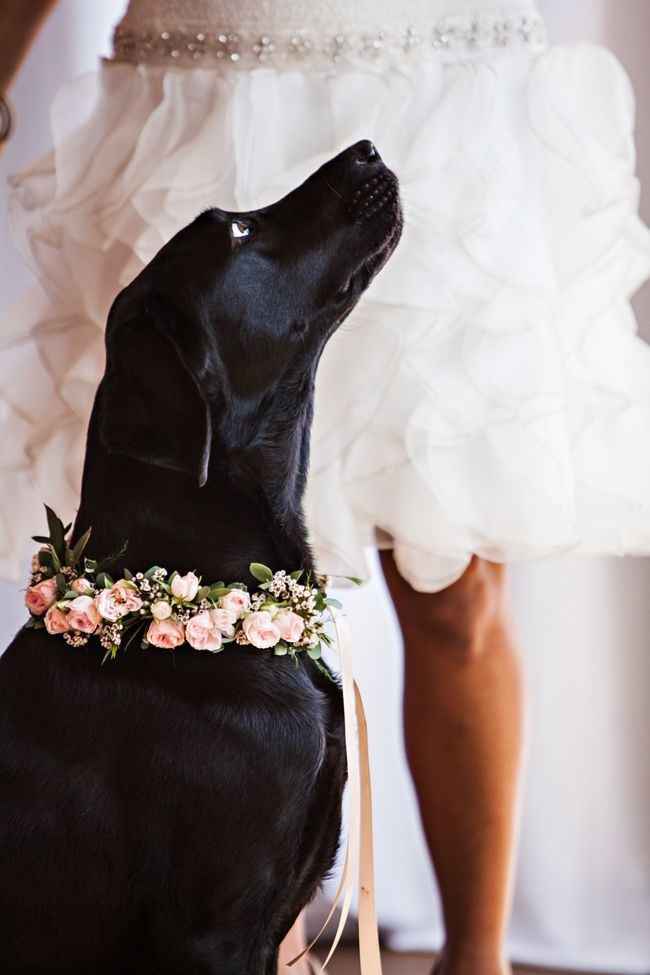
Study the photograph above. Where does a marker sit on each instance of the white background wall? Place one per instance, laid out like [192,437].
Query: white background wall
[583,885]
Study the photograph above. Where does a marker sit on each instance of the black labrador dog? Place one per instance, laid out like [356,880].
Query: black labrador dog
[174,812]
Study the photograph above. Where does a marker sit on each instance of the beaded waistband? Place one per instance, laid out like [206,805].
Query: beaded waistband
[460,36]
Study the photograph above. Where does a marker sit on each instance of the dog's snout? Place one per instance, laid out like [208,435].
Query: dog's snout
[366,152]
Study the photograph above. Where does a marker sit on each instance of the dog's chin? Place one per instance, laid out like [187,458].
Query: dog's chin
[391,224]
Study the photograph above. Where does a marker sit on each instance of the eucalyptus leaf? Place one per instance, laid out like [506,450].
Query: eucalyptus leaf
[330,601]
[260,572]
[314,652]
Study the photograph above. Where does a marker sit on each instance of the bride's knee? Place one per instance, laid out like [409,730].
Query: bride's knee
[458,621]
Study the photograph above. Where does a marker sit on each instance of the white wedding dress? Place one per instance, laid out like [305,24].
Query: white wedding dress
[490,393]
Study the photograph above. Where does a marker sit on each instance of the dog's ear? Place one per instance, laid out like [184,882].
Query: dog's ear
[154,408]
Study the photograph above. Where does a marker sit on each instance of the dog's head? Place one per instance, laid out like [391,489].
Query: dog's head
[236,309]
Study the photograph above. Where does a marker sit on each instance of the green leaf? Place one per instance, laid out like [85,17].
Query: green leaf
[104,564]
[103,580]
[80,546]
[280,649]
[56,561]
[203,593]
[314,652]
[70,594]
[41,538]
[297,574]
[260,572]
[354,579]
[90,565]
[154,568]
[61,584]
[216,592]
[330,601]
[57,532]
[319,665]
[128,575]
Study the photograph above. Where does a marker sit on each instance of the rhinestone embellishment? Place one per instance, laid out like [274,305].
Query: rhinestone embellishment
[456,35]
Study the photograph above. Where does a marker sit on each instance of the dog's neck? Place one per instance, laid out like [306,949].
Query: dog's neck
[250,510]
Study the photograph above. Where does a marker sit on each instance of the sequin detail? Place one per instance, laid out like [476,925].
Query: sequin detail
[455,35]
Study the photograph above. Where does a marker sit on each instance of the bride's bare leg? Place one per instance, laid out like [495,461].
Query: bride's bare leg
[462,719]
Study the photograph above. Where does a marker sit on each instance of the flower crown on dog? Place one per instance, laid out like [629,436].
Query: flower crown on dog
[74,596]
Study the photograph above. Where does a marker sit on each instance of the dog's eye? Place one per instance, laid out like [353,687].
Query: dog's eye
[239,230]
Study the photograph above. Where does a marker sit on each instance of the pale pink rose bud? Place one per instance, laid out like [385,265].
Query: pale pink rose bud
[56,621]
[81,586]
[236,601]
[290,625]
[106,605]
[40,597]
[202,633]
[185,587]
[165,633]
[116,602]
[83,615]
[126,596]
[260,630]
[161,610]
[224,621]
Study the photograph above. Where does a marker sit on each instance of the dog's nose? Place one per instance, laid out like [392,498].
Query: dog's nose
[366,152]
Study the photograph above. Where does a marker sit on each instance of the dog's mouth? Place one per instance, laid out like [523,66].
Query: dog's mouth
[376,199]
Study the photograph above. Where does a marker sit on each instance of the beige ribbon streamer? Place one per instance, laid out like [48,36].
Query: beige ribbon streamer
[358,864]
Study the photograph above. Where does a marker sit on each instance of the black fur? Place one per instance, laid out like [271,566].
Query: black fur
[173,812]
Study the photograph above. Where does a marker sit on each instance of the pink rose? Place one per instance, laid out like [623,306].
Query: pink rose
[82,586]
[237,601]
[260,630]
[83,615]
[56,621]
[202,633]
[40,597]
[290,625]
[224,620]
[185,587]
[116,602]
[165,633]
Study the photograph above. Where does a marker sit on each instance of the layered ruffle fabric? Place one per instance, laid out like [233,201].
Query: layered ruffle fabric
[490,393]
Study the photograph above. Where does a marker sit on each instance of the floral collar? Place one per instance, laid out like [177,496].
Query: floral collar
[74,596]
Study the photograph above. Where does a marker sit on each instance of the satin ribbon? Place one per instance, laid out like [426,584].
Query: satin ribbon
[358,863]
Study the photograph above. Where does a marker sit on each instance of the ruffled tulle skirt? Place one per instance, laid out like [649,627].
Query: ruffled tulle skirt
[489,395]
